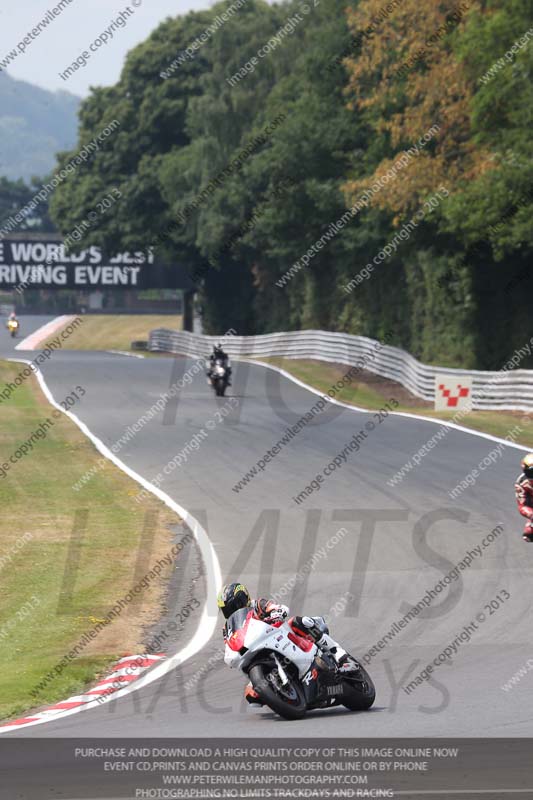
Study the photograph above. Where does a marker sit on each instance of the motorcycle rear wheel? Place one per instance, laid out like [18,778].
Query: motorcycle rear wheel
[359,691]
[288,704]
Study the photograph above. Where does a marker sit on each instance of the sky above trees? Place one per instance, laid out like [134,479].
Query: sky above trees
[61,42]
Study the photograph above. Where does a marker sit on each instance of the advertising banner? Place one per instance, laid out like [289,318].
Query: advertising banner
[46,264]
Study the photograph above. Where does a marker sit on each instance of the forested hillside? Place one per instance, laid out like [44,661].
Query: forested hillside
[372,171]
[34,126]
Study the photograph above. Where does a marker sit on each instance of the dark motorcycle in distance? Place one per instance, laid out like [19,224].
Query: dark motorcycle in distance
[218,376]
[290,673]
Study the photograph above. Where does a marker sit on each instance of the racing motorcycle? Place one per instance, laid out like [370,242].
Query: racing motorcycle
[13,326]
[218,376]
[290,674]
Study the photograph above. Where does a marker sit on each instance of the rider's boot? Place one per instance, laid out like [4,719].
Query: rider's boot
[251,695]
[344,661]
[347,664]
[326,643]
[527,536]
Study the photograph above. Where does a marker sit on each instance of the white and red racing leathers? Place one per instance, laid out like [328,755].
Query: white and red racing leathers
[524,498]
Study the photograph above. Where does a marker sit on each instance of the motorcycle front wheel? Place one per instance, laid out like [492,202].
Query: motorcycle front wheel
[287,701]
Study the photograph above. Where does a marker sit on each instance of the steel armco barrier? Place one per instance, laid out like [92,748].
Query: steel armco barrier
[510,389]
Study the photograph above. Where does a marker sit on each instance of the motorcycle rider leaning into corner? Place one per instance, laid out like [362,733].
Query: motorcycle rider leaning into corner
[218,352]
[524,495]
[234,596]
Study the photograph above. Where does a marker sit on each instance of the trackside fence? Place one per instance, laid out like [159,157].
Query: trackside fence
[503,389]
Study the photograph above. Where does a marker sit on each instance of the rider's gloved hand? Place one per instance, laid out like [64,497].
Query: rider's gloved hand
[279,613]
[275,611]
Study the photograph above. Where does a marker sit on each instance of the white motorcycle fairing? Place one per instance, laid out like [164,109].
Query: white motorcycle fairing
[243,644]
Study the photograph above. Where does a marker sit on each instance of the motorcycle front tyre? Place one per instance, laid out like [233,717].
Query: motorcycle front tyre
[287,710]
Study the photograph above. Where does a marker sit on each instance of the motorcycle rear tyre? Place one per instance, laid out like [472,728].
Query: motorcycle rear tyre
[359,699]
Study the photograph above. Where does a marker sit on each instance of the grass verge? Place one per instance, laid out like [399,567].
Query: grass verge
[117,331]
[75,553]
[371,392]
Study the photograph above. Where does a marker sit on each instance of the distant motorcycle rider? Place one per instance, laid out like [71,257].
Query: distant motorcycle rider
[219,354]
[234,596]
[12,323]
[524,495]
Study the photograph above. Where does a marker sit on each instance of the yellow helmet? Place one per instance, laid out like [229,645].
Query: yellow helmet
[232,597]
[527,465]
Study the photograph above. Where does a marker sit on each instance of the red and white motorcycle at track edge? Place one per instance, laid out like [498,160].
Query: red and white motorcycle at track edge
[289,673]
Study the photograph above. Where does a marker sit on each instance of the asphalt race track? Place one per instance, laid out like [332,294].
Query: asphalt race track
[28,324]
[399,542]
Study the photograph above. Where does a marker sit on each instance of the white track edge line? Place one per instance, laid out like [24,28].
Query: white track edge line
[125,353]
[32,341]
[199,640]
[443,422]
[207,624]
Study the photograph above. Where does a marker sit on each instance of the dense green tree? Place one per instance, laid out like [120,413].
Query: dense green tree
[238,167]
[498,206]
[152,114]
[14,196]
